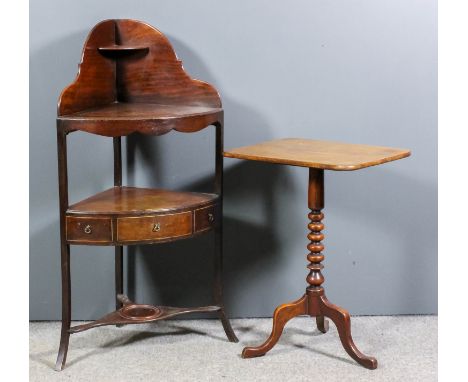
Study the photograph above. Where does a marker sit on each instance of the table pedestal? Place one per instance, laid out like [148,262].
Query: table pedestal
[313,302]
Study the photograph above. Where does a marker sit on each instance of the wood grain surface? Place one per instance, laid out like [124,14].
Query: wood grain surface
[134,200]
[142,228]
[325,155]
[131,80]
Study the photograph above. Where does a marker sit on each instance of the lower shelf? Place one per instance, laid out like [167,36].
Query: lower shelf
[132,313]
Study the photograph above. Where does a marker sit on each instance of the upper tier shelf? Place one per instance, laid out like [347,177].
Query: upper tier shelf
[117,119]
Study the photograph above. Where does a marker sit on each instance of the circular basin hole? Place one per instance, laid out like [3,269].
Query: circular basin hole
[139,312]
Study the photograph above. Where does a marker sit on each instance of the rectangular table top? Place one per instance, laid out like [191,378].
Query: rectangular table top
[325,155]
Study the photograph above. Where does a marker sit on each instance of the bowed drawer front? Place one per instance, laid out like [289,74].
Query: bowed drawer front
[154,227]
[89,229]
[205,218]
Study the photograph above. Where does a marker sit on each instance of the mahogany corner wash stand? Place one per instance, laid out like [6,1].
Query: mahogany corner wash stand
[130,81]
[317,156]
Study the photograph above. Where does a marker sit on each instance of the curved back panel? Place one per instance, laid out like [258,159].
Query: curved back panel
[95,83]
[130,61]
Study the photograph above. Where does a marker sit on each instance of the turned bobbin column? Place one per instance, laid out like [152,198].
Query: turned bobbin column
[316,203]
[315,279]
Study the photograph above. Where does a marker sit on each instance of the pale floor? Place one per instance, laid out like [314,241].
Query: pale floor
[197,350]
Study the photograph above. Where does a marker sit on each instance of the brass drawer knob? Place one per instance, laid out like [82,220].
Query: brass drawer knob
[211,218]
[88,229]
[156,227]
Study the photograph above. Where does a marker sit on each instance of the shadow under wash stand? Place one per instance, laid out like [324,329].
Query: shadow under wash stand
[317,156]
[131,81]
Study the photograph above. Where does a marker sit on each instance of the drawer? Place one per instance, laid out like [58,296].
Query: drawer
[89,229]
[206,218]
[155,227]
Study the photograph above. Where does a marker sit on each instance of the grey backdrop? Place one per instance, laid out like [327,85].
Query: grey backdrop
[356,71]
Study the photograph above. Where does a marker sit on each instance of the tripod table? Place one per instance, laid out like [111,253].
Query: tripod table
[317,156]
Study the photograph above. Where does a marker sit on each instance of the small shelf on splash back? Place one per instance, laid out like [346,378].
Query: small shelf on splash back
[121,50]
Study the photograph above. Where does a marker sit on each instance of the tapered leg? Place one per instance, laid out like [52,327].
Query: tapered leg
[218,261]
[322,324]
[118,276]
[118,262]
[64,247]
[342,320]
[66,308]
[218,287]
[282,315]
[227,326]
[118,249]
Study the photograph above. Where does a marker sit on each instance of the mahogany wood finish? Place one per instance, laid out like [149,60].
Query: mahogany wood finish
[144,90]
[131,201]
[131,81]
[90,230]
[118,272]
[131,313]
[326,155]
[205,218]
[317,155]
[129,215]
[120,119]
[153,228]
